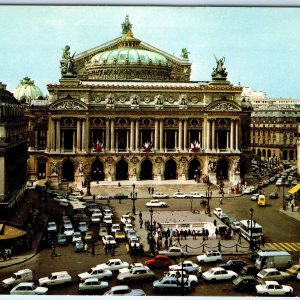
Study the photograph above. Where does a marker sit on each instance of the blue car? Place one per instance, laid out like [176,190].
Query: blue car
[79,247]
[61,239]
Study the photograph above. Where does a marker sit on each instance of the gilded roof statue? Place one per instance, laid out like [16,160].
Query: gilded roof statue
[184,53]
[219,72]
[67,66]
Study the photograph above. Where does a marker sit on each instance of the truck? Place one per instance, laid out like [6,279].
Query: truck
[273,259]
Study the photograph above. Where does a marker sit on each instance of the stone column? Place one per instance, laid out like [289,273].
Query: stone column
[52,134]
[208,137]
[156,146]
[62,141]
[137,135]
[127,140]
[112,135]
[161,134]
[176,140]
[204,138]
[213,146]
[78,144]
[185,135]
[84,144]
[74,141]
[227,140]
[131,135]
[180,135]
[36,137]
[231,134]
[117,140]
[236,135]
[107,139]
[58,135]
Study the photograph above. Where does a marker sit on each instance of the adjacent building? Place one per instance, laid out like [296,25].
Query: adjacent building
[13,151]
[126,110]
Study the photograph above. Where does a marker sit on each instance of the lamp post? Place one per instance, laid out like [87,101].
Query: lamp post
[251,226]
[133,198]
[283,199]
[221,177]
[88,184]
[151,240]
[179,277]
[208,195]
[151,215]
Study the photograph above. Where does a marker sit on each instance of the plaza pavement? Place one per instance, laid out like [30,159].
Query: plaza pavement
[194,247]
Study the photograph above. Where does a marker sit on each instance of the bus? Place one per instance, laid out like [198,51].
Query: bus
[247,227]
[76,207]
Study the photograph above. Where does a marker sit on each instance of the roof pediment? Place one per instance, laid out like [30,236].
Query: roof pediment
[223,105]
[68,103]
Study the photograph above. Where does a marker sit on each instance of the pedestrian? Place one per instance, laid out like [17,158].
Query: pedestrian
[292,206]
[215,222]
[206,234]
[240,238]
[221,200]
[105,248]
[141,215]
[94,198]
[178,240]
[149,190]
[203,234]
[171,242]
[152,191]
[194,235]
[53,250]
[141,223]
[217,232]
[86,248]
[166,243]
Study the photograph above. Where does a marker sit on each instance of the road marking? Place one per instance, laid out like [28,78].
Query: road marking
[283,246]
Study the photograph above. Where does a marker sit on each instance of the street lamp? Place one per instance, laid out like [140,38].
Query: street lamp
[179,277]
[283,198]
[133,198]
[208,195]
[221,177]
[88,184]
[251,226]
[151,240]
[151,215]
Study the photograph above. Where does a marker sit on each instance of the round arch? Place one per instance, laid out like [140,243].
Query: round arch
[284,154]
[194,168]
[222,168]
[170,169]
[97,172]
[146,170]
[67,170]
[292,155]
[264,152]
[122,170]
[269,153]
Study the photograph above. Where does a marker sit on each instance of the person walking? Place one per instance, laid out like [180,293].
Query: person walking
[141,223]
[215,223]
[149,190]
[53,250]
[141,215]
[152,191]
[240,238]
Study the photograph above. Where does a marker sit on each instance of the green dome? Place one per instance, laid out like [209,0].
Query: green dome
[129,56]
[27,91]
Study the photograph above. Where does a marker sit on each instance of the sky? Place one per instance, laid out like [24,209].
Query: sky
[260,45]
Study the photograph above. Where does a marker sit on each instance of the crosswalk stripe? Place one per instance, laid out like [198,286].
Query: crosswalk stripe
[283,246]
[295,246]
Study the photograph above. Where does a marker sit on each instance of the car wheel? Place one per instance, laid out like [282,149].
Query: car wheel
[265,294]
[218,260]
[213,280]
[233,277]
[201,261]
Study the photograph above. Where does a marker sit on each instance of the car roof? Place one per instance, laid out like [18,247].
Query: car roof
[119,287]
[217,269]
[270,269]
[271,282]
[92,278]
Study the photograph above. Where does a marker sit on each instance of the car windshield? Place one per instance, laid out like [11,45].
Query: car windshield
[33,286]
[15,276]
[294,268]
[263,272]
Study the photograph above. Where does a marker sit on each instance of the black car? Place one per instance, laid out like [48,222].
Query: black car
[273,195]
[233,265]
[249,270]
[245,283]
[120,196]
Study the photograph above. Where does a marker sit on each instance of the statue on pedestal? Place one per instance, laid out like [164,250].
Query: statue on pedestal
[219,72]
[67,66]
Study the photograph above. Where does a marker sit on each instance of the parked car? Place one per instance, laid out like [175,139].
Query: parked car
[273,195]
[76,237]
[51,227]
[127,227]
[209,256]
[64,202]
[131,233]
[103,196]
[55,278]
[28,288]
[254,197]
[131,266]
[235,226]
[245,283]
[273,288]
[168,283]
[120,235]
[249,270]
[294,270]
[180,195]
[83,227]
[79,246]
[217,211]
[272,274]
[174,252]
[196,195]
[92,285]
[124,290]
[218,273]
[159,261]
[95,272]
[103,232]
[107,220]
[136,273]
[187,266]
[125,219]
[249,190]
[108,239]
[96,218]
[61,239]
[18,277]
[235,265]
[107,211]
[114,264]
[89,236]
[120,196]
[156,203]
[192,278]
[159,195]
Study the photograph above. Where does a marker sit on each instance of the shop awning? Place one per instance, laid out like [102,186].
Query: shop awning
[294,189]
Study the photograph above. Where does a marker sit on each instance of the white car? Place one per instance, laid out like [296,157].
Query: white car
[108,239]
[218,211]
[55,278]
[92,284]
[95,272]
[28,288]
[188,266]
[76,237]
[273,288]
[103,196]
[193,279]
[69,232]
[125,219]
[249,190]
[108,212]
[180,195]
[95,218]
[156,203]
[115,227]
[159,195]
[51,227]
[235,226]
[196,195]
[107,219]
[58,198]
[173,252]
[136,273]
[124,290]
[218,273]
[209,256]
[133,265]
[64,202]
[68,224]
[114,264]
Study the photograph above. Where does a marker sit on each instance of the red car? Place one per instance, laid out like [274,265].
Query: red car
[261,184]
[159,261]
